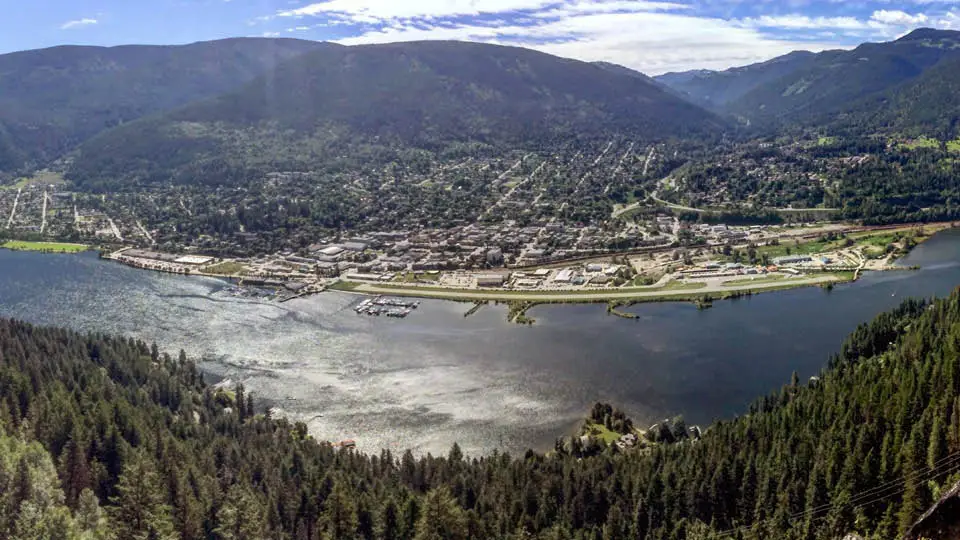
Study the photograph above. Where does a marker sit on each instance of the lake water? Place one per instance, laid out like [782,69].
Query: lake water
[437,377]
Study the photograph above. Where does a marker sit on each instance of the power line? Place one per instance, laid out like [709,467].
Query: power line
[950,464]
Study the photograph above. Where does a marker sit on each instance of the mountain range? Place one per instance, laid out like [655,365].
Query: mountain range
[53,99]
[144,114]
[428,95]
[904,84]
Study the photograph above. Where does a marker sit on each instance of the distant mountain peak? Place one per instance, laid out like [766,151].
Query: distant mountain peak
[930,34]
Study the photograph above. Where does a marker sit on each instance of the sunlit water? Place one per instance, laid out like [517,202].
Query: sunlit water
[437,377]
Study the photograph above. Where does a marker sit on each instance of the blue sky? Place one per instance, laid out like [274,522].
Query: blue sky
[653,36]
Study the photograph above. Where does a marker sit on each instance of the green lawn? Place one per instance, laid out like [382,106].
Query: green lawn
[804,248]
[825,141]
[47,247]
[227,269]
[42,177]
[413,277]
[681,286]
[870,240]
[601,432]
[921,142]
[758,279]
[346,286]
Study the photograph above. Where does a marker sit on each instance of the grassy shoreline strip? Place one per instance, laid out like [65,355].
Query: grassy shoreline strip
[44,247]
[585,297]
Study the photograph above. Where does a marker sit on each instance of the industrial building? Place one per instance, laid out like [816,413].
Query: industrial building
[792,259]
[490,280]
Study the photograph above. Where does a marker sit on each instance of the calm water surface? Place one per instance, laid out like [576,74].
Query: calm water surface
[436,377]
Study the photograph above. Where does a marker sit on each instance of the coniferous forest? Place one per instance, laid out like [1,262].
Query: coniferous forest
[104,437]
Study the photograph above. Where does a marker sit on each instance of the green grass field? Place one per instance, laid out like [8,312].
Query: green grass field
[413,277]
[601,432]
[954,146]
[46,247]
[42,177]
[874,242]
[681,286]
[921,142]
[803,248]
[227,269]
[755,281]
[346,286]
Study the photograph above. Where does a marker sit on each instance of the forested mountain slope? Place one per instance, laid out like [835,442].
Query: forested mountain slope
[905,85]
[927,106]
[834,81]
[107,435]
[719,88]
[430,95]
[53,99]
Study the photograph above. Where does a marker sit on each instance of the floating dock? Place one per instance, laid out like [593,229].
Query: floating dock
[390,307]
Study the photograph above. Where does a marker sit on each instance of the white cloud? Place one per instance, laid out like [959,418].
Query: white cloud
[803,22]
[950,21]
[78,23]
[650,42]
[385,10]
[898,18]
[588,7]
[653,36]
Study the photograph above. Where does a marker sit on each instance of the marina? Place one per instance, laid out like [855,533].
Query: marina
[391,307]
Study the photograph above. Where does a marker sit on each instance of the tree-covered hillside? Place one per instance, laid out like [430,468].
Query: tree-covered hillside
[364,100]
[54,99]
[107,438]
[927,106]
[716,89]
[902,86]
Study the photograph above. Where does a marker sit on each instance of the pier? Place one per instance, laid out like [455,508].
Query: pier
[391,307]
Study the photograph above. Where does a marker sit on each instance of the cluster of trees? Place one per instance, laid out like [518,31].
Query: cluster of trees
[899,186]
[611,418]
[872,179]
[106,437]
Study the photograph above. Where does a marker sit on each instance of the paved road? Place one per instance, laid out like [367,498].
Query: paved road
[624,210]
[599,296]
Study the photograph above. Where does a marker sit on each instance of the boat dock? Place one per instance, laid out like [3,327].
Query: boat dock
[391,307]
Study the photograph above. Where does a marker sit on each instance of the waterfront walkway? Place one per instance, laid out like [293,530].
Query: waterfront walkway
[584,296]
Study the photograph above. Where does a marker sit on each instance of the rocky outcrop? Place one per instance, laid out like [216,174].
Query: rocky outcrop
[942,520]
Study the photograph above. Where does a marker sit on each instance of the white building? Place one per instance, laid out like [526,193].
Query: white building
[564,276]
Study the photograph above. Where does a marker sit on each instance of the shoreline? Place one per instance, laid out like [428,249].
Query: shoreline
[703,294]
[653,294]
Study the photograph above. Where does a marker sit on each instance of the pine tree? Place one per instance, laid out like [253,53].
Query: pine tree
[937,449]
[388,522]
[440,517]
[914,494]
[240,403]
[188,516]
[74,471]
[339,520]
[240,517]
[140,511]
[90,518]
